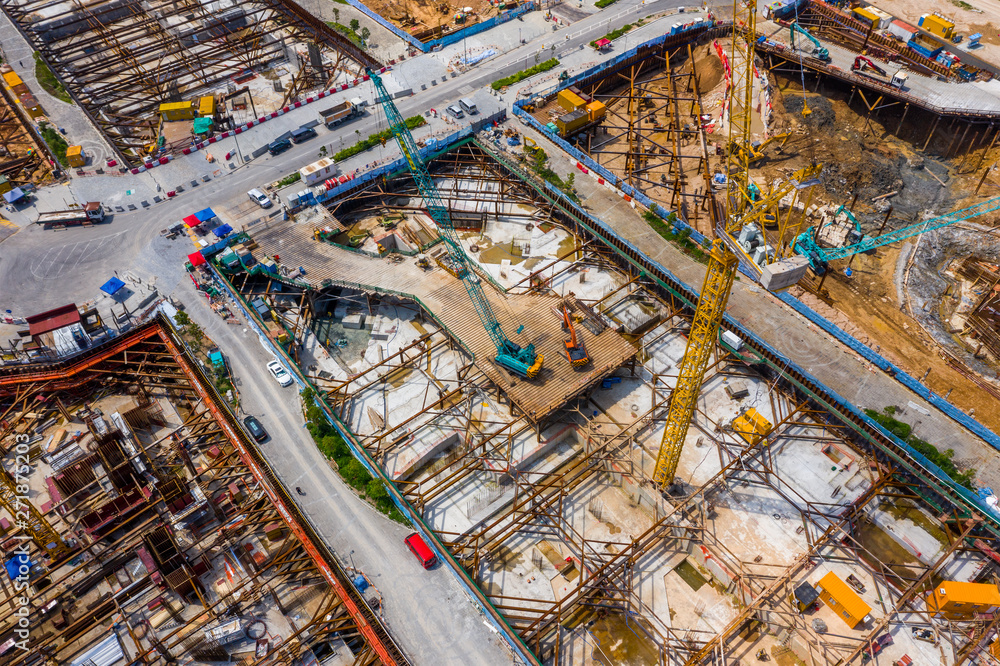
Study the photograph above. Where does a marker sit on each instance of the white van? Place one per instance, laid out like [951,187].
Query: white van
[259,198]
[468,106]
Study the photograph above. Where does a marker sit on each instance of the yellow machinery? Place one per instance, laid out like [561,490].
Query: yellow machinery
[757,151]
[744,206]
[30,519]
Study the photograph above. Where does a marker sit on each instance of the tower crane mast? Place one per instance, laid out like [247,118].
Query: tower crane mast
[522,361]
[744,206]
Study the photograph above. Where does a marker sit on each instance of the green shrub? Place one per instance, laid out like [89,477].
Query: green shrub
[355,474]
[601,4]
[412,123]
[55,141]
[524,74]
[347,32]
[941,459]
[616,33]
[289,179]
[48,80]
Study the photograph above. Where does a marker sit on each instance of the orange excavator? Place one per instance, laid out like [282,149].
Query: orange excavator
[575,352]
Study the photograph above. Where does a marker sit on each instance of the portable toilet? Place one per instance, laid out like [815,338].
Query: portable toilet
[76,157]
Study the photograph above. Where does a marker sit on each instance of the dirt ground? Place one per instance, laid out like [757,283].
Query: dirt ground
[871,163]
[654,171]
[416,16]
[984,17]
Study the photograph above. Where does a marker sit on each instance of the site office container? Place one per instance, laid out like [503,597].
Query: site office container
[177,111]
[569,100]
[937,25]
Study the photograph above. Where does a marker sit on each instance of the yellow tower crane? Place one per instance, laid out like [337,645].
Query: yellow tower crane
[745,206]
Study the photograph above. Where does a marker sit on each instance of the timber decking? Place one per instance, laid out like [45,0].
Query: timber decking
[446,298]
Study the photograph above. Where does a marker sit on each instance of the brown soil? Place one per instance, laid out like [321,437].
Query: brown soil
[416,16]
[708,68]
[871,163]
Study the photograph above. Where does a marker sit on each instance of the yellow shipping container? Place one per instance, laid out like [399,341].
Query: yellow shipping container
[938,25]
[177,111]
[5,185]
[12,79]
[570,100]
[596,110]
[206,106]
[75,156]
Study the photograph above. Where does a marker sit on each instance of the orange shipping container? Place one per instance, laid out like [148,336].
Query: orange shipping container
[596,110]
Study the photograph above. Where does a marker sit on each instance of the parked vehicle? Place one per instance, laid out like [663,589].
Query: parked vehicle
[420,550]
[278,146]
[89,214]
[259,198]
[455,112]
[279,373]
[255,429]
[303,134]
[337,114]
[468,106]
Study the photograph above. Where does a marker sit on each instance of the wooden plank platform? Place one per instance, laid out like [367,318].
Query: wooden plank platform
[446,297]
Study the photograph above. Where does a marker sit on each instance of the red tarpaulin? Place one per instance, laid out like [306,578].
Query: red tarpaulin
[192,221]
[196,259]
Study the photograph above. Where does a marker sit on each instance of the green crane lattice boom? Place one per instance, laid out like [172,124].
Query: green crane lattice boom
[522,361]
[819,257]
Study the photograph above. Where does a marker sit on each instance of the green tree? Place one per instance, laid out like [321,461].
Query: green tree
[182,318]
[336,15]
[376,491]
[355,24]
[365,34]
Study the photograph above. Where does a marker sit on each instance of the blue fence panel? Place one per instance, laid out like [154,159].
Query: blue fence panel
[914,385]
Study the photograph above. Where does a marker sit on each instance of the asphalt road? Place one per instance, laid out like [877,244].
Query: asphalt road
[81,259]
[426,611]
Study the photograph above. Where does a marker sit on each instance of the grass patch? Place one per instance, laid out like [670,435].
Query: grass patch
[537,162]
[378,138]
[332,445]
[347,32]
[618,32]
[56,142]
[601,4]
[664,225]
[289,179]
[48,81]
[942,459]
[525,73]
[961,4]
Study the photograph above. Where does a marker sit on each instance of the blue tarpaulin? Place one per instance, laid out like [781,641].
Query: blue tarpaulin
[14,195]
[205,215]
[14,564]
[222,231]
[112,286]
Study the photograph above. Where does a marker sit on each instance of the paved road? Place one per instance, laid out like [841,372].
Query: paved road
[426,611]
[934,92]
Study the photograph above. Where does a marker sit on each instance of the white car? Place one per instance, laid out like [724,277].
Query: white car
[278,372]
[259,198]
